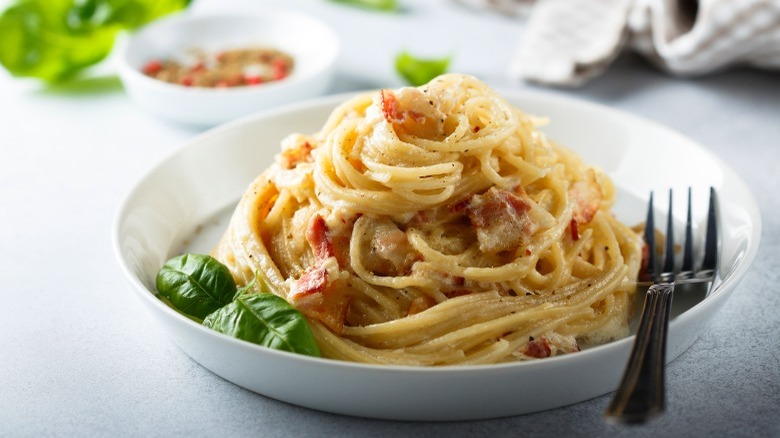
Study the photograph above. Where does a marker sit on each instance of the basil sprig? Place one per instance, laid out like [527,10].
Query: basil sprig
[418,71]
[377,5]
[54,39]
[202,288]
[267,320]
[196,284]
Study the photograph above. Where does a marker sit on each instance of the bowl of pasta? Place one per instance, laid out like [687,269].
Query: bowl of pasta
[445,252]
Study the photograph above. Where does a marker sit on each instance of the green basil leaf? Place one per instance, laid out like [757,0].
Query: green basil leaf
[379,5]
[55,39]
[37,39]
[267,320]
[417,71]
[131,14]
[196,284]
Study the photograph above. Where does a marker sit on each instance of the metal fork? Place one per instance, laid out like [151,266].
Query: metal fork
[640,395]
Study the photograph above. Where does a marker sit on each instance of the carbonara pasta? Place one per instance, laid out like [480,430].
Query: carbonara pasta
[437,226]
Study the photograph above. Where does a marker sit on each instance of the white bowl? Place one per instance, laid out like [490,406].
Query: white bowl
[312,44]
[184,204]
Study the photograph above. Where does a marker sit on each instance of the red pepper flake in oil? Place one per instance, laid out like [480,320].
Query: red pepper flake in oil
[279,74]
[279,63]
[152,67]
[229,68]
[253,80]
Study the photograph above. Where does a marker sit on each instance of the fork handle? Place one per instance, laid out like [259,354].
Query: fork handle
[640,395]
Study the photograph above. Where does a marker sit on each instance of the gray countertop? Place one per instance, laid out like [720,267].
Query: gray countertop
[80,356]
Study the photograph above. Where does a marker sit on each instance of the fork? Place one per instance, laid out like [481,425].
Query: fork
[640,395]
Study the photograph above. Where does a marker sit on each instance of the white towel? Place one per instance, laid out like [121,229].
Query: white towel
[567,42]
[722,33]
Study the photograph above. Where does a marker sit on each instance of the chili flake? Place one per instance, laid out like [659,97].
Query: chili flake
[229,68]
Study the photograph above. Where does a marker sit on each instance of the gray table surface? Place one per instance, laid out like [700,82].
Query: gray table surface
[79,356]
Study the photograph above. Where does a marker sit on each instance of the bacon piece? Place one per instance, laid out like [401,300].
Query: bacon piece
[313,281]
[330,242]
[551,344]
[315,297]
[422,217]
[390,106]
[293,156]
[538,348]
[313,293]
[410,112]
[318,237]
[501,220]
[390,252]
[575,232]
[586,196]
[458,207]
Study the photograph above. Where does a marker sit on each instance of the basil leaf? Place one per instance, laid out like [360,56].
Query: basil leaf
[417,71]
[265,319]
[53,40]
[38,40]
[131,14]
[196,284]
[379,5]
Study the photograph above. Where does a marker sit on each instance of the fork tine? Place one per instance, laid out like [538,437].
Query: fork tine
[649,271]
[687,265]
[710,261]
[640,394]
[668,270]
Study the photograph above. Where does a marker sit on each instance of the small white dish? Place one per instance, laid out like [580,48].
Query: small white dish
[184,203]
[311,43]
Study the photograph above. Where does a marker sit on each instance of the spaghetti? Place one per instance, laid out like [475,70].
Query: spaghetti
[437,226]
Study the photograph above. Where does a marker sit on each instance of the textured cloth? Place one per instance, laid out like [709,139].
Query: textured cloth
[719,34]
[567,42]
